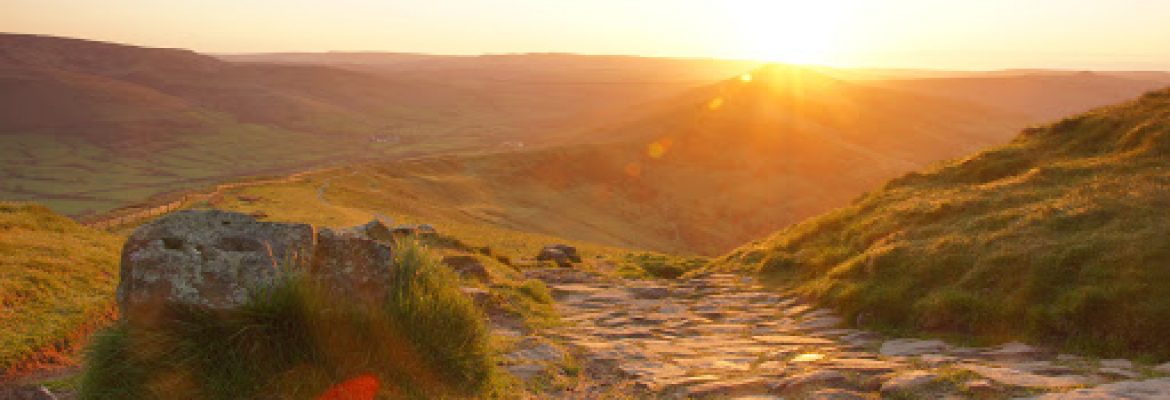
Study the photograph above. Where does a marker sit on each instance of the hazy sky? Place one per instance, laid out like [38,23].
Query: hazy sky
[969,34]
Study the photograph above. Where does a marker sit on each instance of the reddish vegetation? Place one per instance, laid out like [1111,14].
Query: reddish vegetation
[363,387]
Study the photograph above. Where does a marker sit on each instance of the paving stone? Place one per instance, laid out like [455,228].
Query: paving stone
[1147,389]
[908,382]
[862,365]
[1119,373]
[726,388]
[789,339]
[912,347]
[1015,377]
[834,394]
[1014,350]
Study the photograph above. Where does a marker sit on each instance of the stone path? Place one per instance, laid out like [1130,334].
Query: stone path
[721,336]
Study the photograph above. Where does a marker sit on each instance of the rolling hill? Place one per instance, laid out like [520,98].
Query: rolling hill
[713,168]
[1058,237]
[90,126]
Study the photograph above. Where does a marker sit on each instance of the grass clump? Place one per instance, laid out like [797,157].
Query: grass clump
[1059,237]
[57,282]
[654,265]
[297,340]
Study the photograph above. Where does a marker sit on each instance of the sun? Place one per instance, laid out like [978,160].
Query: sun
[789,31]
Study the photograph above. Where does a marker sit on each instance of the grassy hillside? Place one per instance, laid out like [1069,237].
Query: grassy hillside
[712,169]
[1059,236]
[90,126]
[56,284]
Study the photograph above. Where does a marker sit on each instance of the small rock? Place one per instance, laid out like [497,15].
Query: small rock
[1147,389]
[912,347]
[1163,369]
[908,382]
[569,252]
[467,266]
[551,254]
[980,387]
[1014,350]
[649,292]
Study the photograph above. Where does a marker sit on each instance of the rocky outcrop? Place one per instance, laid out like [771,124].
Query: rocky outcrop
[219,259]
[208,258]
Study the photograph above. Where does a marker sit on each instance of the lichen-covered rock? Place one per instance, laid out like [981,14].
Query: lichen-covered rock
[208,258]
[353,266]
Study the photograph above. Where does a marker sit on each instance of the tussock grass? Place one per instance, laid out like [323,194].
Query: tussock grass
[656,265]
[56,283]
[295,340]
[1059,237]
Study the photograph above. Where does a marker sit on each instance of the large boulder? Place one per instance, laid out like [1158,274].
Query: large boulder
[207,258]
[354,266]
[218,259]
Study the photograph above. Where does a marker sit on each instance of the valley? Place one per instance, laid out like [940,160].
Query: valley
[577,226]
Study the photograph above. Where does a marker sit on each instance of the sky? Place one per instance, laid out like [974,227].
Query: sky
[937,34]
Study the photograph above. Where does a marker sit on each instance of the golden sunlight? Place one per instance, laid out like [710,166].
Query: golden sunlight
[790,31]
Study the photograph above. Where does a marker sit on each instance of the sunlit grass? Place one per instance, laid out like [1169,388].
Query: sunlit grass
[1058,237]
[56,284]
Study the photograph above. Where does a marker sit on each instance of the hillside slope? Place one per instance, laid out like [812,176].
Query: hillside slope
[712,169]
[56,284]
[1059,236]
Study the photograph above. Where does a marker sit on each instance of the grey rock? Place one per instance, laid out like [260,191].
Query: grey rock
[1016,377]
[912,347]
[559,252]
[908,382]
[209,258]
[650,292]
[1147,389]
[1163,369]
[352,266]
[1014,350]
[980,387]
[467,266]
